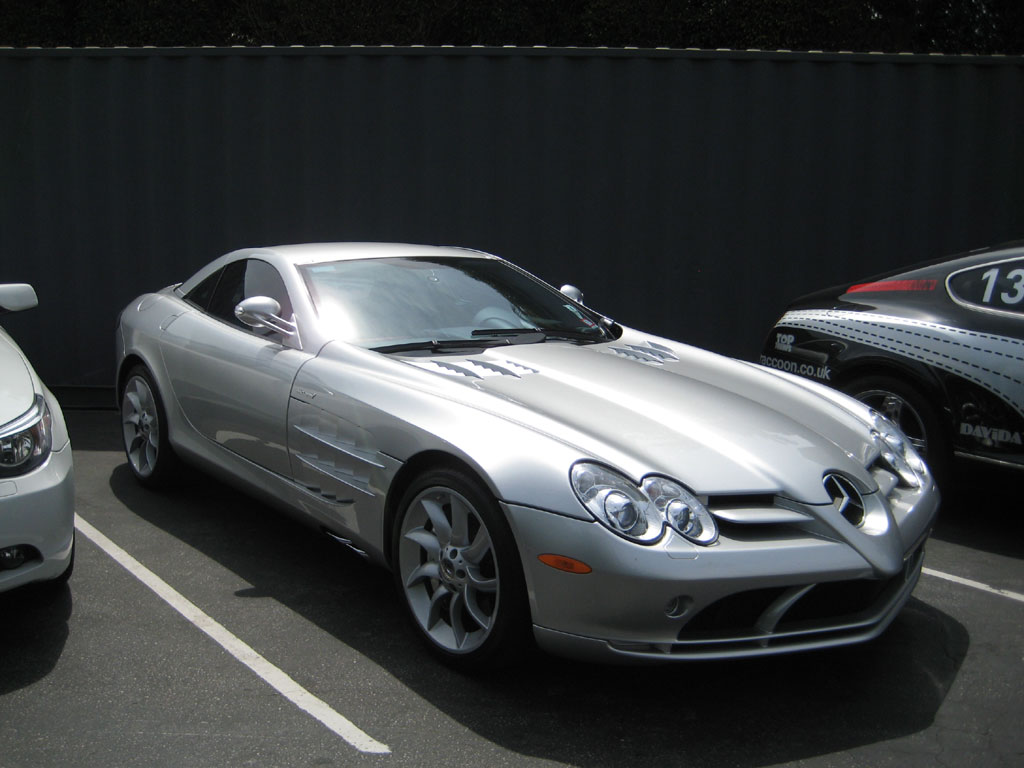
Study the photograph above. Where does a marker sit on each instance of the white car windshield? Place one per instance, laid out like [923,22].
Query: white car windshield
[402,302]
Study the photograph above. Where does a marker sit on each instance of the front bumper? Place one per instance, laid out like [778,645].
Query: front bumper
[37,514]
[755,593]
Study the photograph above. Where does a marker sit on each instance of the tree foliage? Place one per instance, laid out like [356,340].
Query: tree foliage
[920,26]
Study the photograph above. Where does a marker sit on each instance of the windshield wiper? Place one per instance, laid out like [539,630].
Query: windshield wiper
[533,335]
[513,335]
[435,345]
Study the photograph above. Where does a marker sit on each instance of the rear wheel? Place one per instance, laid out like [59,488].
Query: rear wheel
[911,412]
[144,428]
[457,567]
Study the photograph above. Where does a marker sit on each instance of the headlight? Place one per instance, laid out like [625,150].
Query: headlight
[25,442]
[897,451]
[641,513]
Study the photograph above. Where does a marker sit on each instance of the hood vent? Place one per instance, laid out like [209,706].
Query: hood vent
[475,369]
[650,353]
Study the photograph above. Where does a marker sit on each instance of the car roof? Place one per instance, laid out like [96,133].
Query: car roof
[318,253]
[315,253]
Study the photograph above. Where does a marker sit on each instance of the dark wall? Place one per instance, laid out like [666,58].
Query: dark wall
[691,194]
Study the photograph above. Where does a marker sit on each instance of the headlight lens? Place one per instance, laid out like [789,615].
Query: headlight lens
[897,451]
[25,442]
[682,510]
[640,514]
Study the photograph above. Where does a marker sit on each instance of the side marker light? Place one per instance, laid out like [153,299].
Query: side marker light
[563,563]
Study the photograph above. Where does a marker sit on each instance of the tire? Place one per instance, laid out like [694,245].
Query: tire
[144,429]
[911,412]
[457,568]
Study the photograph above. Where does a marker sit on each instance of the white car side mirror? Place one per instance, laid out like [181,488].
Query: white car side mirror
[15,297]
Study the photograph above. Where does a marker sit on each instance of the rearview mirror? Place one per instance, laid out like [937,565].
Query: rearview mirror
[15,297]
[572,292]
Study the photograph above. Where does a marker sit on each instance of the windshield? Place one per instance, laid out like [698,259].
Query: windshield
[394,301]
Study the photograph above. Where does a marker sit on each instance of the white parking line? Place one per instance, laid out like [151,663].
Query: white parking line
[975,584]
[272,675]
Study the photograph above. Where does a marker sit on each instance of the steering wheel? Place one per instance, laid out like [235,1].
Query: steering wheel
[495,317]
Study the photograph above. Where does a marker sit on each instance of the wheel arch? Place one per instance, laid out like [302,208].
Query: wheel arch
[920,378]
[413,468]
[130,361]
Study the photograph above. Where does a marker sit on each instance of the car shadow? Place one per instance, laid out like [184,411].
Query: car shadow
[35,630]
[744,713]
[981,509]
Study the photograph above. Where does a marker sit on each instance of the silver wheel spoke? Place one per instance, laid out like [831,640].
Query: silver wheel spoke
[473,609]
[480,582]
[455,619]
[437,603]
[481,545]
[442,529]
[425,572]
[427,541]
[460,523]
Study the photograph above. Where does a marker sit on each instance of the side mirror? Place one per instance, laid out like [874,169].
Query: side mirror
[572,292]
[263,312]
[15,297]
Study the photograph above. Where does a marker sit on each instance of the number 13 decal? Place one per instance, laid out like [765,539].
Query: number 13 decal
[1016,276]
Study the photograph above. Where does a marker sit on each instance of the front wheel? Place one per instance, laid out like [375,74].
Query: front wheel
[457,567]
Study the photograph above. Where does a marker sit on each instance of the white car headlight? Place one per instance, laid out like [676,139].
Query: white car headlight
[25,442]
[641,513]
[897,451]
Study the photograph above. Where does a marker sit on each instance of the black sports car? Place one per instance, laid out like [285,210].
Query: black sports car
[938,347]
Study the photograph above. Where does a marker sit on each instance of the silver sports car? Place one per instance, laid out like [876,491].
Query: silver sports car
[526,467]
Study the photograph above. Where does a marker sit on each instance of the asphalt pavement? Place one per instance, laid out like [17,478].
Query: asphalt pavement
[269,645]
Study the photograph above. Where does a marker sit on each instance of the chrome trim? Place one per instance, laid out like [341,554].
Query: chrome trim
[769,620]
[988,460]
[343,447]
[760,516]
[351,481]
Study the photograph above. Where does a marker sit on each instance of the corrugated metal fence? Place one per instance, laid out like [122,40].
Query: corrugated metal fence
[691,194]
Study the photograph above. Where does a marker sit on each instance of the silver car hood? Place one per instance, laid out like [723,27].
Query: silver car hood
[716,424]
[17,384]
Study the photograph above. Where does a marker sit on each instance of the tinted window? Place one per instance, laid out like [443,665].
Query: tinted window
[242,280]
[994,286]
[201,294]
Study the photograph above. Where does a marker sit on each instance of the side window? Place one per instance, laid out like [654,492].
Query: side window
[992,286]
[229,292]
[202,293]
[242,280]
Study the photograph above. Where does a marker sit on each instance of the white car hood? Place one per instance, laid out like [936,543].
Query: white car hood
[17,382]
[717,424]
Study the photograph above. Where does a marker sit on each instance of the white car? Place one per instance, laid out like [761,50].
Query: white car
[37,485]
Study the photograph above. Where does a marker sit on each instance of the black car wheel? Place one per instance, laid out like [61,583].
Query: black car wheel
[457,567]
[910,411]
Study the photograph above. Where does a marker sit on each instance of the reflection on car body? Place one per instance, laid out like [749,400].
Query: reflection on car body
[938,347]
[526,467]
